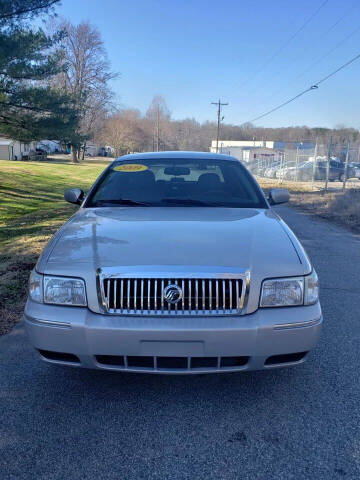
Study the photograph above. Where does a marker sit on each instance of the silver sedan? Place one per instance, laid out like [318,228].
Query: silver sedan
[175,262]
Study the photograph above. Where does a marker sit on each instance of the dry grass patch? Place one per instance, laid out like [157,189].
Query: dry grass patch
[340,207]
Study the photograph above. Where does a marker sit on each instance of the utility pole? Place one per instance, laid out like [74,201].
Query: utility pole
[158,128]
[219,119]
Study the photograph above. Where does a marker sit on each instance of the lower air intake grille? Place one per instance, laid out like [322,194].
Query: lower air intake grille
[172,363]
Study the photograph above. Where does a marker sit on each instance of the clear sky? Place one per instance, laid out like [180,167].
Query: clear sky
[195,51]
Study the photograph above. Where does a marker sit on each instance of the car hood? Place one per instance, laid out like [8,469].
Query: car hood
[250,239]
[174,239]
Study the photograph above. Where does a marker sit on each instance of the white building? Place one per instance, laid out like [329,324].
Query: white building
[226,146]
[241,148]
[249,151]
[261,156]
[14,149]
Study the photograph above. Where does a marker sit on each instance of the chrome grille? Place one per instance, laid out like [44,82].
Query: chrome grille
[200,296]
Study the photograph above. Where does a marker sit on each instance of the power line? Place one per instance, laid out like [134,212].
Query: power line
[323,34]
[319,59]
[313,87]
[329,52]
[283,104]
[338,69]
[285,44]
[340,19]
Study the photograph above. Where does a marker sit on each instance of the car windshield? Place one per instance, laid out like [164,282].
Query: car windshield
[177,182]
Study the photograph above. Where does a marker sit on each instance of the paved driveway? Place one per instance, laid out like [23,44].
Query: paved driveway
[300,423]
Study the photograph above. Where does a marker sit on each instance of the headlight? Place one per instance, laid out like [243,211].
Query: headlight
[311,294]
[64,291]
[288,292]
[36,287]
[282,292]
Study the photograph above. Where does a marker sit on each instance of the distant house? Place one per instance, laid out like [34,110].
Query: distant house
[14,149]
[6,149]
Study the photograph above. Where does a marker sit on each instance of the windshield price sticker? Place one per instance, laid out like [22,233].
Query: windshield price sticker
[130,167]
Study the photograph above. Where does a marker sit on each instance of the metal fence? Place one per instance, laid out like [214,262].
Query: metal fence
[322,164]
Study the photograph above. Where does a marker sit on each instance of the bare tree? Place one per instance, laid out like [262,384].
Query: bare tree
[127,132]
[86,78]
[159,115]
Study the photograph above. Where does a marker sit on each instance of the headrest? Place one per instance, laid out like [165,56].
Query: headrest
[209,180]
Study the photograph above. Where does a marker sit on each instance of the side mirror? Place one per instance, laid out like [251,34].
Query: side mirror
[74,195]
[278,195]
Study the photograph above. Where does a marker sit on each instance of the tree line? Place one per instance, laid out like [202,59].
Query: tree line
[129,131]
[55,83]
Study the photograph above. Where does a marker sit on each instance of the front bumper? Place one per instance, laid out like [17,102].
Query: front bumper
[268,338]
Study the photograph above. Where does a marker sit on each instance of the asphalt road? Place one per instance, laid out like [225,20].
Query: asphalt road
[299,423]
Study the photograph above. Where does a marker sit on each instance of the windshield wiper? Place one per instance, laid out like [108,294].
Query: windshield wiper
[121,201]
[186,201]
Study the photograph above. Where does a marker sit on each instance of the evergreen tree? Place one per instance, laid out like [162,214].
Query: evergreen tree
[29,108]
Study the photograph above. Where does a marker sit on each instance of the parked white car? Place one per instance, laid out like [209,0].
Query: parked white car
[175,262]
[270,172]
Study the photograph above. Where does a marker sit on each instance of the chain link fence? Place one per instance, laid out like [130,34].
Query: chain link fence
[321,165]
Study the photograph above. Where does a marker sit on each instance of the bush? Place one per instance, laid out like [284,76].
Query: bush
[346,206]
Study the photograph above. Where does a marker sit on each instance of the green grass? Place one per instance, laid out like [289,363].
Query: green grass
[32,208]
[29,187]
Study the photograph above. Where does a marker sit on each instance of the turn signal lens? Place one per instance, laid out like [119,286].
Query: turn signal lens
[311,289]
[36,287]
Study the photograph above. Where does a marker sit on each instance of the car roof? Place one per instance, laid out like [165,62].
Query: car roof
[177,154]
